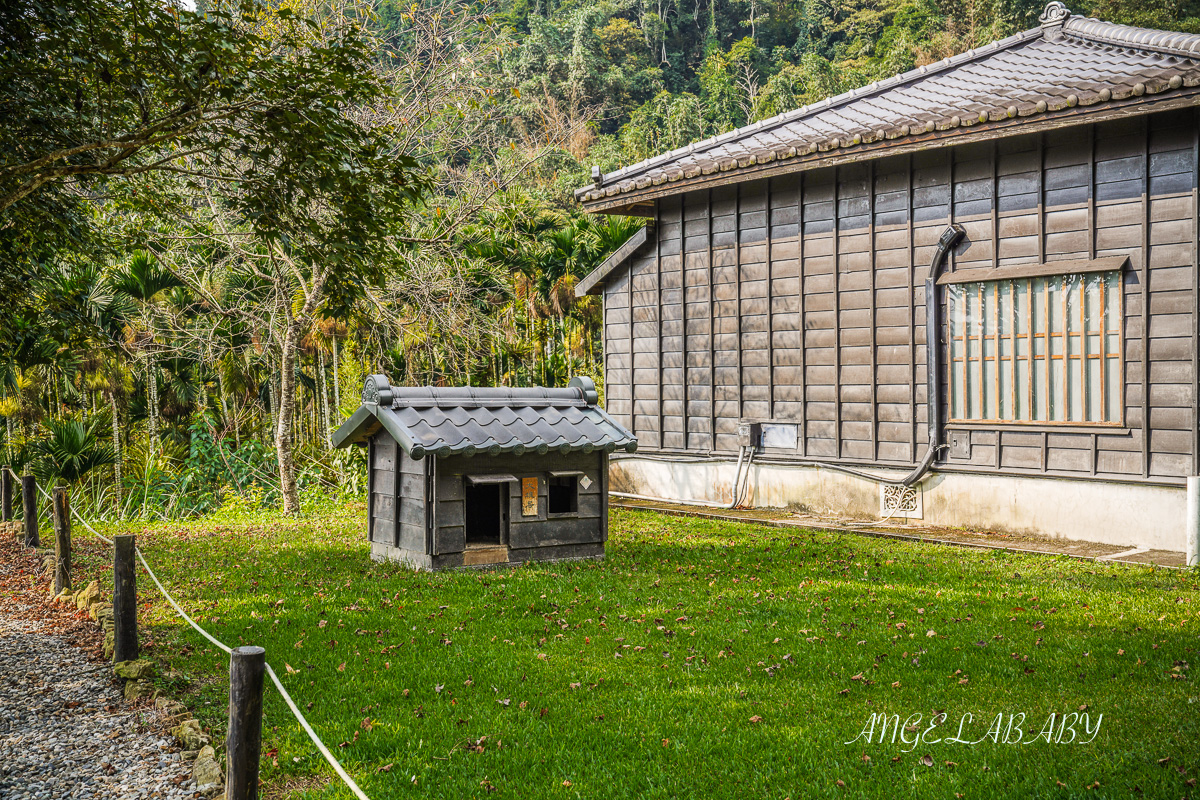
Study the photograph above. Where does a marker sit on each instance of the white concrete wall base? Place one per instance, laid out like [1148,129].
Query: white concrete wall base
[1132,515]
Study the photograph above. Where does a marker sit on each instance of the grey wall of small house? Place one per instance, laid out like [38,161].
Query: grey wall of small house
[397,487]
[556,536]
[800,298]
[400,503]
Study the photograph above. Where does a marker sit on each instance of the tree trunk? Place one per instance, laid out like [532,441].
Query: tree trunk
[225,421]
[324,389]
[337,395]
[273,399]
[203,387]
[284,450]
[116,434]
[152,390]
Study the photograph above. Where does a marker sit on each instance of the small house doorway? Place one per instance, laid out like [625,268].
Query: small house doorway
[484,512]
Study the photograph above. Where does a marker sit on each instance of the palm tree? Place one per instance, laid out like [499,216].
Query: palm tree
[143,280]
[71,450]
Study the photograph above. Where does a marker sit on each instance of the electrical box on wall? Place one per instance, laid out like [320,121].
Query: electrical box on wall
[780,436]
[958,444]
[749,433]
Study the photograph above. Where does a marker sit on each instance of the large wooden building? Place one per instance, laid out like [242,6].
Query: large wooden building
[968,294]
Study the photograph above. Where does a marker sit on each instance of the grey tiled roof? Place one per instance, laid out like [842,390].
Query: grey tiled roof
[485,420]
[1067,66]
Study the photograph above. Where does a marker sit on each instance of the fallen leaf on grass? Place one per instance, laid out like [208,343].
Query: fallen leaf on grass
[927,760]
[290,669]
[756,718]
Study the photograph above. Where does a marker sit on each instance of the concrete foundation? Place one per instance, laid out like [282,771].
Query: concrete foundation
[1126,514]
[482,558]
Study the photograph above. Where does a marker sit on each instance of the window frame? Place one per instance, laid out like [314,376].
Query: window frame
[573,477]
[1062,272]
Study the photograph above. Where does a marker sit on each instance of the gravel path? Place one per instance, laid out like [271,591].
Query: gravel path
[65,731]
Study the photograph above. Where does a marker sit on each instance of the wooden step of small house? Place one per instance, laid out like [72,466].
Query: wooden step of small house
[476,554]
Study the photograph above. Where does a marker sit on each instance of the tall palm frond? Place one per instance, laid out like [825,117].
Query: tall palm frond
[72,449]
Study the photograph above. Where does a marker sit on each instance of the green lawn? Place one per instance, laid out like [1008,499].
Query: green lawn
[701,659]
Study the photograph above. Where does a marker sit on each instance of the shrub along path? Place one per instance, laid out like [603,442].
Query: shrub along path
[701,659]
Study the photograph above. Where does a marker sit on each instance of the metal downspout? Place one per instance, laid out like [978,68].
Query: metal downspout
[933,400]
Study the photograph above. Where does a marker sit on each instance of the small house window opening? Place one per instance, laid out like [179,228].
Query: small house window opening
[562,494]
[1038,349]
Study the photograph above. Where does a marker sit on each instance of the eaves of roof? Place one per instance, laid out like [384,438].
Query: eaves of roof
[593,283]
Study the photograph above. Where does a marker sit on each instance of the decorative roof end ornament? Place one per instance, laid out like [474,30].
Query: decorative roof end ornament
[1056,14]
[377,390]
[597,175]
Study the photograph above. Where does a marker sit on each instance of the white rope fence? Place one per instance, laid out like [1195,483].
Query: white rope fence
[287,698]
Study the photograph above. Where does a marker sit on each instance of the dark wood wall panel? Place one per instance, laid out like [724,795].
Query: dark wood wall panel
[697,323]
[671,332]
[726,353]
[801,298]
[645,341]
[542,530]
[618,375]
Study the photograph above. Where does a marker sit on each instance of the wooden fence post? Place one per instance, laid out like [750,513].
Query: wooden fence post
[62,539]
[6,510]
[244,740]
[125,635]
[29,505]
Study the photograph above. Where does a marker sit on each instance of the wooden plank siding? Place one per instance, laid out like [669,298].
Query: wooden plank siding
[397,488]
[800,299]
[584,526]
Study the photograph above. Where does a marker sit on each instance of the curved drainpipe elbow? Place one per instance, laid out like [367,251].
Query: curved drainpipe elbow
[933,357]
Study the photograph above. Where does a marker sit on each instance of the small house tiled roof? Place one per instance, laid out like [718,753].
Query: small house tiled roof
[471,421]
[1069,67]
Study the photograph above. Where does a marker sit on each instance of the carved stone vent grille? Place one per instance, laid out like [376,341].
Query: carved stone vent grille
[899,501]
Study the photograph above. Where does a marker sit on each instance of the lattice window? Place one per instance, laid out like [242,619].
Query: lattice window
[898,501]
[1042,349]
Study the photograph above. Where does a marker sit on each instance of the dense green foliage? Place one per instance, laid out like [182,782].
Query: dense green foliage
[699,659]
[214,224]
[658,75]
